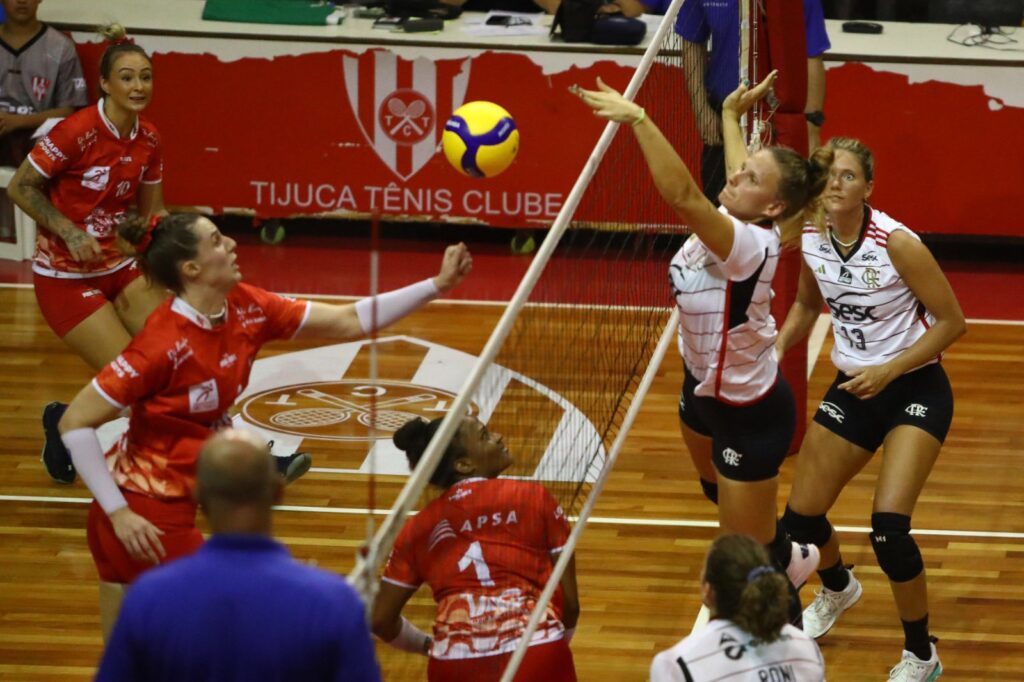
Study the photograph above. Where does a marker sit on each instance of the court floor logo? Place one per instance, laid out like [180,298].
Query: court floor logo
[347,410]
[319,400]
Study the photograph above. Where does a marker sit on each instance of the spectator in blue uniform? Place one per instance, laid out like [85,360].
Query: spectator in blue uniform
[711,74]
[240,608]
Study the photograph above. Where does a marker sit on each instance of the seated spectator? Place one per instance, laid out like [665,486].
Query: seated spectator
[749,637]
[240,608]
[42,78]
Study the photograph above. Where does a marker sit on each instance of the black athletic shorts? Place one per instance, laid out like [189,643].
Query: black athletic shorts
[922,398]
[748,442]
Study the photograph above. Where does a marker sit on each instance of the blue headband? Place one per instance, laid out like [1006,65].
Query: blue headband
[759,571]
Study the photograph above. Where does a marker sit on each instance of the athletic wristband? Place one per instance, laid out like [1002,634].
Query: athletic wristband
[568,635]
[640,118]
[87,456]
[411,639]
[394,305]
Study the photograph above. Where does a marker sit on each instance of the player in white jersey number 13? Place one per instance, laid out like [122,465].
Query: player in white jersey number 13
[893,314]
[736,410]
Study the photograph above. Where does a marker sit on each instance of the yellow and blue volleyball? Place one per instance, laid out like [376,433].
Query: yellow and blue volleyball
[480,139]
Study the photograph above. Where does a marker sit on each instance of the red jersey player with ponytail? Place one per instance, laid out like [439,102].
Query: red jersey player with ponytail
[180,375]
[486,547]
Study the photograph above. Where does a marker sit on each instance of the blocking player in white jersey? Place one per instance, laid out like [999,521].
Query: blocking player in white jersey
[180,375]
[748,638]
[736,409]
[893,315]
[486,547]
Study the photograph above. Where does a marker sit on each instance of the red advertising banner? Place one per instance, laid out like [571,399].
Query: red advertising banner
[352,130]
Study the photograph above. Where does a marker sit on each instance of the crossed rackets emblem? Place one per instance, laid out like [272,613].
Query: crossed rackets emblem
[341,410]
[406,117]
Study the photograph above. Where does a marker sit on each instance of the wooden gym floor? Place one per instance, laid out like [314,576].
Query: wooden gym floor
[639,561]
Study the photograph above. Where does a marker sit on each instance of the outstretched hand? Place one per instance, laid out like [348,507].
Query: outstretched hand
[457,263]
[743,98]
[608,103]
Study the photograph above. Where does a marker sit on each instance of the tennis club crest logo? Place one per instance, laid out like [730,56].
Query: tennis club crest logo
[347,410]
[402,104]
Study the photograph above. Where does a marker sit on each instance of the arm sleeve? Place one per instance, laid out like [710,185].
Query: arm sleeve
[285,316]
[134,374]
[401,566]
[748,250]
[814,25]
[70,87]
[155,167]
[691,23]
[56,150]
[358,659]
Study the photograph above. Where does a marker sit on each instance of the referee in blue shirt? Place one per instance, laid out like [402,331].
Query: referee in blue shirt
[239,609]
[711,74]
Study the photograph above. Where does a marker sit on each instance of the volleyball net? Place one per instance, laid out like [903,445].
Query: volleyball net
[566,368]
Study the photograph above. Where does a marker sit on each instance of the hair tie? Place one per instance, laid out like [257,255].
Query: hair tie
[759,571]
[147,238]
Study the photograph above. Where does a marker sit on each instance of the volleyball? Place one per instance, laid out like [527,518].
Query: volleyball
[480,139]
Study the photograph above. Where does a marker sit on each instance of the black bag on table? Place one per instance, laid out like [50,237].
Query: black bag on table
[580,23]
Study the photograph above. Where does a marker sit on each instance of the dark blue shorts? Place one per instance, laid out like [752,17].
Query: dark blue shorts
[748,442]
[922,398]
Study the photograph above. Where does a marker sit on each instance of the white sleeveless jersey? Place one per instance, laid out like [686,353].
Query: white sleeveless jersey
[875,315]
[722,651]
[726,329]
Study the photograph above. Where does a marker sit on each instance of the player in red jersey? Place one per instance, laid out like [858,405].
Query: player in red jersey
[77,183]
[180,375]
[486,547]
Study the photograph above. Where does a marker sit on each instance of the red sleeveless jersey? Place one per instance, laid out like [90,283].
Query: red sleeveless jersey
[485,548]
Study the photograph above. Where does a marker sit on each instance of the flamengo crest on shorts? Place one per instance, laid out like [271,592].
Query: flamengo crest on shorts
[402,105]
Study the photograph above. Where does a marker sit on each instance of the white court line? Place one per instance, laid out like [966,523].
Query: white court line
[607,520]
[461,301]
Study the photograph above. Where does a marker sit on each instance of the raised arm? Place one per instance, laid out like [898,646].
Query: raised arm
[28,191]
[738,103]
[916,265]
[671,176]
[356,320]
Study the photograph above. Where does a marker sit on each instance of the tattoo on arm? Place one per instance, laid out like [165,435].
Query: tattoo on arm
[35,202]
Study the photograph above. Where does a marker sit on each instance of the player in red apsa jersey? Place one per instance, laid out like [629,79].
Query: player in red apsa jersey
[77,183]
[486,548]
[180,375]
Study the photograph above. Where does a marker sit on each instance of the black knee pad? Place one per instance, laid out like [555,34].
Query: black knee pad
[897,552]
[808,530]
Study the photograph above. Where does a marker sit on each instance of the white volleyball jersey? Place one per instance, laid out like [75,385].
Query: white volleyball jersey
[726,329]
[875,315]
[722,651]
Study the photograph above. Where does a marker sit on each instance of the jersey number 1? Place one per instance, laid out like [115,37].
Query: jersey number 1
[475,555]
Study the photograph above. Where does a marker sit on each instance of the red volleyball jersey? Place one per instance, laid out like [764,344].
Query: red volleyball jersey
[180,375]
[485,548]
[94,176]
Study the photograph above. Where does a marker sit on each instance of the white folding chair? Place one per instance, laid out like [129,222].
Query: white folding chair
[14,223]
